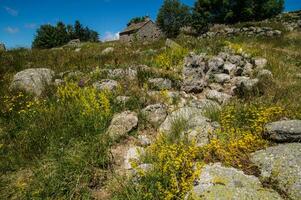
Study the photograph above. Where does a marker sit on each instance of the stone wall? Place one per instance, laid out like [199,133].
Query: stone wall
[247,31]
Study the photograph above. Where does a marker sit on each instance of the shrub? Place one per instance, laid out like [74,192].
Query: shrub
[241,133]
[172,175]
[171,58]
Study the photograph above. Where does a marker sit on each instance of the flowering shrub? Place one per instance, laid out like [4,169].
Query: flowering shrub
[88,100]
[171,58]
[173,172]
[241,134]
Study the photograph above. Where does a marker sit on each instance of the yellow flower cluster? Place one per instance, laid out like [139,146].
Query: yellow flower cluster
[175,165]
[171,58]
[87,99]
[232,143]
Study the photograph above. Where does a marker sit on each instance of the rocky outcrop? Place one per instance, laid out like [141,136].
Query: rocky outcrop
[223,183]
[284,131]
[122,124]
[33,81]
[280,166]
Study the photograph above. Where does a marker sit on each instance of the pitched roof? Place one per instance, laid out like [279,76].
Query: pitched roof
[134,27]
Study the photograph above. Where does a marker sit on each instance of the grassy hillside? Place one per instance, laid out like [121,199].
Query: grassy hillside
[55,147]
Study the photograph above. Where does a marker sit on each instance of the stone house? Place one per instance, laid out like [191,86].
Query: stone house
[142,31]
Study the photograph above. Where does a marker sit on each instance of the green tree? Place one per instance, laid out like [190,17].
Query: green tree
[49,36]
[45,37]
[172,16]
[232,11]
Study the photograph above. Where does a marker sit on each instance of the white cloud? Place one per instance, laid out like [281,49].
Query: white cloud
[11,11]
[30,25]
[11,30]
[109,36]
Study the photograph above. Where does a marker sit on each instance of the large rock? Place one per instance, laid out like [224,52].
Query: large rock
[106,84]
[2,47]
[281,166]
[191,122]
[155,114]
[33,81]
[122,124]
[160,83]
[223,183]
[220,97]
[284,131]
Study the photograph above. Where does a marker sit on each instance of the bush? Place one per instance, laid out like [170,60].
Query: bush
[171,58]
[172,175]
[241,133]
[49,36]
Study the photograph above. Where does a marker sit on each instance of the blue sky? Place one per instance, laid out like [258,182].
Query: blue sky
[19,19]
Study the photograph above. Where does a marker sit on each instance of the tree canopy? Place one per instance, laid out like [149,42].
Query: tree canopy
[172,16]
[49,36]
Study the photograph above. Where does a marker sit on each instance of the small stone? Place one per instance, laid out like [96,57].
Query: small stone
[122,124]
[155,114]
[215,63]
[122,99]
[160,83]
[248,70]
[106,84]
[144,140]
[220,97]
[260,63]
[221,78]
[229,68]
